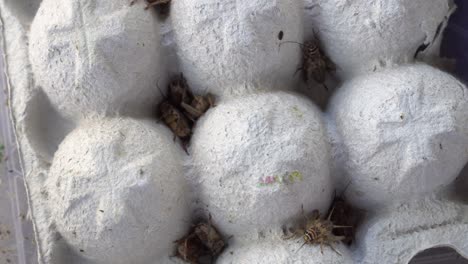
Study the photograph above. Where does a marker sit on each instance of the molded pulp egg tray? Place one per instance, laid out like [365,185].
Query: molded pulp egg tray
[107,183]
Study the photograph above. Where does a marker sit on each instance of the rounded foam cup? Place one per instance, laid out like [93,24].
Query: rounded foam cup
[285,251]
[117,193]
[258,159]
[362,36]
[402,131]
[96,57]
[240,49]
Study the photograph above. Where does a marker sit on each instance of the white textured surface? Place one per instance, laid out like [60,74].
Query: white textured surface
[240,49]
[412,227]
[242,142]
[96,56]
[117,192]
[362,36]
[403,132]
[285,252]
[227,48]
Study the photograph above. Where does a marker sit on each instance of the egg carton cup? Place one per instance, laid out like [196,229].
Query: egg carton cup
[107,183]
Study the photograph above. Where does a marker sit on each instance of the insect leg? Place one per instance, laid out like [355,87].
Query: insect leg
[295,42]
[330,65]
[334,249]
[315,215]
[340,226]
[184,147]
[298,70]
[345,189]
[191,118]
[191,110]
[303,244]
[211,100]
[185,251]
[337,238]
[210,227]
[288,237]
[178,126]
[331,212]
[157,83]
[325,86]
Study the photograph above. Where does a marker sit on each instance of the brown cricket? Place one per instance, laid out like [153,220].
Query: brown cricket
[210,237]
[179,91]
[345,214]
[315,64]
[180,95]
[190,248]
[176,121]
[180,109]
[318,231]
[203,240]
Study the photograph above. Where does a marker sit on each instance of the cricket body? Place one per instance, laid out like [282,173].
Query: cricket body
[203,240]
[179,91]
[210,237]
[189,249]
[315,64]
[175,120]
[319,231]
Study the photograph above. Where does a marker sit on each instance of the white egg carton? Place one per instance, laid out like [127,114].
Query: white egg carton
[107,183]
[16,232]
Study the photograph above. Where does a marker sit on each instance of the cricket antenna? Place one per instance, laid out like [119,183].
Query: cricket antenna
[303,244]
[331,212]
[295,42]
[325,86]
[346,188]
[159,88]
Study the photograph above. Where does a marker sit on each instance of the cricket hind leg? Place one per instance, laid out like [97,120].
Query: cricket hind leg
[191,110]
[336,238]
[185,252]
